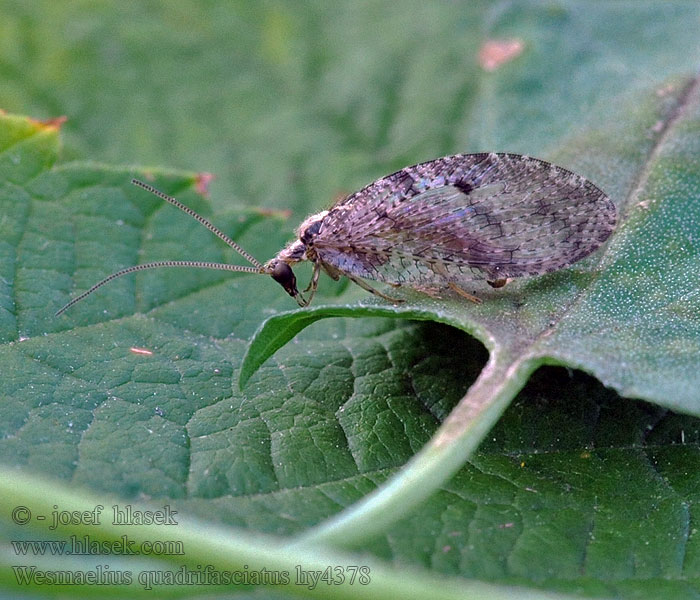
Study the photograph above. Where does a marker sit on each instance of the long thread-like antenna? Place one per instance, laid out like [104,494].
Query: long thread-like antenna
[157,265]
[215,230]
[257,268]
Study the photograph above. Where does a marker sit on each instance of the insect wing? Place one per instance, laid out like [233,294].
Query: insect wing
[478,216]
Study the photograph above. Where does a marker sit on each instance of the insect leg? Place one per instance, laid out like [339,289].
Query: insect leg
[313,284]
[461,292]
[370,289]
[440,269]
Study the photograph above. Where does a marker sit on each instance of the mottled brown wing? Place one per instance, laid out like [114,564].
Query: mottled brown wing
[466,217]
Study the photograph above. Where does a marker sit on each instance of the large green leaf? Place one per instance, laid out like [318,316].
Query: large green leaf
[575,490]
[631,319]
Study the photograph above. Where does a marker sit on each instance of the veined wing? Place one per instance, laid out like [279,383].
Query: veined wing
[467,217]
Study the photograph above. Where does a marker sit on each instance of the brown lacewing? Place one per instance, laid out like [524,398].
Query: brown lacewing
[441,223]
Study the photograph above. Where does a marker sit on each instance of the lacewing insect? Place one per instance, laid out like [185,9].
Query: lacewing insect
[441,223]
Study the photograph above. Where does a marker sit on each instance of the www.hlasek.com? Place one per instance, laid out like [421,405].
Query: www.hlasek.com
[102,575]
[87,546]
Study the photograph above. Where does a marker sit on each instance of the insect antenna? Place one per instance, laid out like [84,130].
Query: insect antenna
[215,230]
[158,265]
[257,268]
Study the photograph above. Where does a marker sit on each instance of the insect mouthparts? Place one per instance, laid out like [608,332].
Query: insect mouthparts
[282,273]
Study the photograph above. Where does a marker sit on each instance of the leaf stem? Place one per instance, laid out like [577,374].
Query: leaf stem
[461,433]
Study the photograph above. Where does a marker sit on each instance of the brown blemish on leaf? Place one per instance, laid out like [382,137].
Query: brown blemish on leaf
[494,53]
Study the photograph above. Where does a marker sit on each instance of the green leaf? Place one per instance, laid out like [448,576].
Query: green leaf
[575,489]
[594,319]
[633,298]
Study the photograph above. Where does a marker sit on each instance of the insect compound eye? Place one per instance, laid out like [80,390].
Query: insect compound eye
[282,273]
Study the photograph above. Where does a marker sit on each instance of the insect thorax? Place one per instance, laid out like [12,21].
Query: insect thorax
[299,249]
[310,227]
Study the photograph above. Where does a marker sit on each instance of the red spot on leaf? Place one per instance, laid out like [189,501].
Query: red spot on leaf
[141,351]
[202,182]
[494,53]
[54,123]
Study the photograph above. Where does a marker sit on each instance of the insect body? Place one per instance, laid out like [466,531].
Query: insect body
[442,223]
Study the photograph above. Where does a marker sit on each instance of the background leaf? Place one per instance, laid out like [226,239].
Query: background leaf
[575,490]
